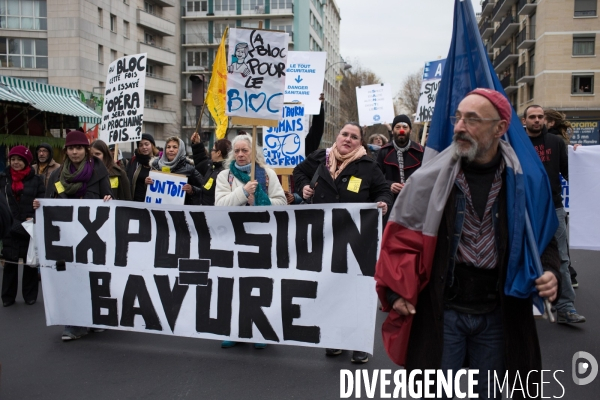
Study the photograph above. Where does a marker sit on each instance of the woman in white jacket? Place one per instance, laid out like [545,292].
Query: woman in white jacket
[234,187]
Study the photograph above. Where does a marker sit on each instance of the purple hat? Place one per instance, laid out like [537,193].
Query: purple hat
[22,152]
[76,138]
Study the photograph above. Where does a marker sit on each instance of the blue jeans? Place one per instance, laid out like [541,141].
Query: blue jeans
[480,335]
[566,297]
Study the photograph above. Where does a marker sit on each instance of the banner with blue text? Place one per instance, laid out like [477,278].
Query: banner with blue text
[283,145]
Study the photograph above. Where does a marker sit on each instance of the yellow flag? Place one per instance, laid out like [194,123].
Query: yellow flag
[215,96]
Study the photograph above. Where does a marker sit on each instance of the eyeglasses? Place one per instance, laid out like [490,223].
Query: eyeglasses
[470,122]
[213,149]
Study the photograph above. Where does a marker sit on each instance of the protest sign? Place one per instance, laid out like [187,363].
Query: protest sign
[166,188]
[584,221]
[123,110]
[256,67]
[432,76]
[564,187]
[283,145]
[375,104]
[294,275]
[585,133]
[304,79]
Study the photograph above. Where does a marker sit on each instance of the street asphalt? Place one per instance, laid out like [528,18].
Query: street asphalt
[36,364]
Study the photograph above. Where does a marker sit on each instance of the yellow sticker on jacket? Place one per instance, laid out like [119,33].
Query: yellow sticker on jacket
[166,170]
[59,187]
[354,184]
[209,183]
[114,182]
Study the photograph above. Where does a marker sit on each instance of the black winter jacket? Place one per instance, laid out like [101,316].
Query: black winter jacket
[97,187]
[552,151]
[208,170]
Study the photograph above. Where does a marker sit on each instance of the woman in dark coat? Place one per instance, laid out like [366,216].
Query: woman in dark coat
[343,173]
[19,185]
[140,165]
[209,168]
[116,175]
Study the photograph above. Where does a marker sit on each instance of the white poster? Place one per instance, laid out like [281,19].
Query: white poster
[256,65]
[432,77]
[166,188]
[123,110]
[375,104]
[283,145]
[293,275]
[584,185]
[304,79]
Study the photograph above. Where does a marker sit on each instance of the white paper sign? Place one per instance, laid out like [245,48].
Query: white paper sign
[256,65]
[304,79]
[432,78]
[375,104]
[293,275]
[283,146]
[166,188]
[123,110]
[584,185]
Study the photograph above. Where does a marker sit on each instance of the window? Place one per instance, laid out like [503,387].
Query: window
[113,55]
[531,91]
[583,84]
[254,5]
[149,69]
[586,8]
[220,28]
[126,29]
[149,7]
[225,5]
[100,18]
[583,44]
[281,4]
[250,24]
[23,53]
[197,6]
[23,14]
[151,100]
[197,58]
[113,23]
[101,54]
[149,39]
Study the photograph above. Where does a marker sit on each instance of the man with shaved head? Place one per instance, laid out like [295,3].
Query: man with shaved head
[448,306]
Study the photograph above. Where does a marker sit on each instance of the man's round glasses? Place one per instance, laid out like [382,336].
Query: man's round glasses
[470,122]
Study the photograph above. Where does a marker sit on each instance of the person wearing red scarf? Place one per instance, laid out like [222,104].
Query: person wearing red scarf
[19,185]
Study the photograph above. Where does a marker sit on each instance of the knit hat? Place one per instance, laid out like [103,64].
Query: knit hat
[401,118]
[76,138]
[148,137]
[47,147]
[498,100]
[22,152]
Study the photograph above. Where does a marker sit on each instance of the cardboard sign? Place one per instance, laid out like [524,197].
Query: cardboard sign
[256,65]
[292,275]
[123,110]
[304,79]
[166,188]
[585,133]
[283,145]
[432,77]
[375,104]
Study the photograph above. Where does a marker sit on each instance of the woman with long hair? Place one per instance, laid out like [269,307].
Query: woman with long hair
[209,168]
[140,165]
[118,178]
[557,124]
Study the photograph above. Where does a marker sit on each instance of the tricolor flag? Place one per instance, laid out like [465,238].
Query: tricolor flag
[215,96]
[410,237]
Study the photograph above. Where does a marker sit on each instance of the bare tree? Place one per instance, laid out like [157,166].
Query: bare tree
[409,93]
[357,76]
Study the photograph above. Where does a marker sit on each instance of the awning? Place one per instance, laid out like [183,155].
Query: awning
[7,95]
[49,98]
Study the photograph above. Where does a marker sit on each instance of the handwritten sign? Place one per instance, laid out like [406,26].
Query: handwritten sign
[585,133]
[256,67]
[432,77]
[166,188]
[123,111]
[375,104]
[304,79]
[283,145]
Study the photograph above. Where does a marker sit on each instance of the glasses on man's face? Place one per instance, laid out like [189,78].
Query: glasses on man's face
[470,121]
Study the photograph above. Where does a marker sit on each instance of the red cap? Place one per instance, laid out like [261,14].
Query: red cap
[76,138]
[498,100]
[22,152]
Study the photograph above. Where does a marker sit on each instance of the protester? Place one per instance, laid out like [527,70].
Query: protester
[45,165]
[552,151]
[174,160]
[19,186]
[343,173]
[376,142]
[209,168]
[235,187]
[81,176]
[448,245]
[118,178]
[139,166]
[121,161]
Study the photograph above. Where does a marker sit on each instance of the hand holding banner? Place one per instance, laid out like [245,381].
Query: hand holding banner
[166,188]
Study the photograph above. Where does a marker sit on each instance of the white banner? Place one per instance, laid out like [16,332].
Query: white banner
[584,219]
[256,65]
[432,77]
[304,79]
[375,104]
[294,275]
[283,145]
[123,110]
[166,188]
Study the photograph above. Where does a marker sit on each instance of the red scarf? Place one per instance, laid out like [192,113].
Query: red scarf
[17,180]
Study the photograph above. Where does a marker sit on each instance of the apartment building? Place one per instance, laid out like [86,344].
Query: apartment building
[546,52]
[70,43]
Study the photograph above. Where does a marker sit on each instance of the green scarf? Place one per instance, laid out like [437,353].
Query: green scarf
[261,198]
[66,178]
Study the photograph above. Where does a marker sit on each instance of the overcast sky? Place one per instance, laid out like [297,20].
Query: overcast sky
[395,38]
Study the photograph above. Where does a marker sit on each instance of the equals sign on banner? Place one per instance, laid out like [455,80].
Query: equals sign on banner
[193,272]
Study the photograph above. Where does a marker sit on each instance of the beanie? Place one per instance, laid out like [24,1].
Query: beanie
[22,152]
[401,118]
[498,100]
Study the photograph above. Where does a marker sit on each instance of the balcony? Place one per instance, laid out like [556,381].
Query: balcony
[487,6]
[249,9]
[526,7]
[159,115]
[501,8]
[526,38]
[155,83]
[165,3]
[159,55]
[194,69]
[486,30]
[506,57]
[507,28]
[509,85]
[162,27]
[524,74]
[198,40]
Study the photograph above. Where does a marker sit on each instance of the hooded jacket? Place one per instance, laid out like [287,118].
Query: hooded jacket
[50,168]
[97,187]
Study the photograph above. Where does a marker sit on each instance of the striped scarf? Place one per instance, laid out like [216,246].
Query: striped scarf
[400,152]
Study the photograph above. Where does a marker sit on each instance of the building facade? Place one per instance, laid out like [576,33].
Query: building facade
[546,52]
